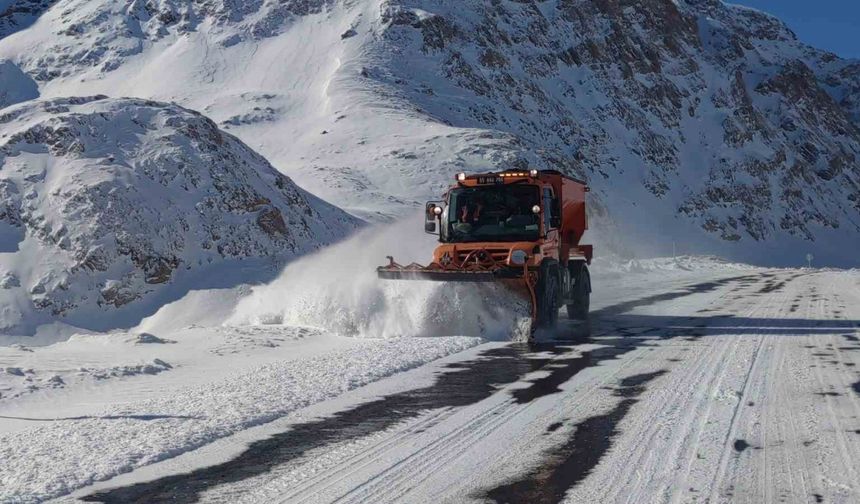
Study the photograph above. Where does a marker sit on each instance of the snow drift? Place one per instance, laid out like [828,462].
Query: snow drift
[109,205]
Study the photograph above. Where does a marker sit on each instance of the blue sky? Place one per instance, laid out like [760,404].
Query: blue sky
[833,25]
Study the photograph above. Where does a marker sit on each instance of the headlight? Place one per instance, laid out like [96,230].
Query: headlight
[519,257]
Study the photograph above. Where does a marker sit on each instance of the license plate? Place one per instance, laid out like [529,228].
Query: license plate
[490,180]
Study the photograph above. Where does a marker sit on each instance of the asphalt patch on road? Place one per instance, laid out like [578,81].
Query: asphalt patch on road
[772,285]
[566,465]
[828,394]
[563,369]
[554,426]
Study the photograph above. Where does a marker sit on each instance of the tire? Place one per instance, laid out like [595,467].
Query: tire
[578,309]
[548,295]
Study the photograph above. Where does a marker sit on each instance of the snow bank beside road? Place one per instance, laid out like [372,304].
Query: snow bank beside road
[56,459]
[612,264]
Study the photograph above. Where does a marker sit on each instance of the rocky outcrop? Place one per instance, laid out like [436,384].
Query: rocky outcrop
[716,110]
[20,14]
[100,34]
[113,198]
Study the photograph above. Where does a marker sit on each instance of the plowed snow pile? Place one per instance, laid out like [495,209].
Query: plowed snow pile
[337,289]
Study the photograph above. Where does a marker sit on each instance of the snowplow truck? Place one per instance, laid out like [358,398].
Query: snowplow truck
[518,227]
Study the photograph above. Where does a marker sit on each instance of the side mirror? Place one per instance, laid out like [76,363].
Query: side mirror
[432,216]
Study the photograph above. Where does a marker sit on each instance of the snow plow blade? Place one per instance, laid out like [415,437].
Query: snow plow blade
[476,272]
[523,279]
[385,273]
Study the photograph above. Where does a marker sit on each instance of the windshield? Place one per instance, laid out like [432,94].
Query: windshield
[493,213]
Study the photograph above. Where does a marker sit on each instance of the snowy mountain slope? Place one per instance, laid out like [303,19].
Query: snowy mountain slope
[296,82]
[112,206]
[16,15]
[695,121]
[677,112]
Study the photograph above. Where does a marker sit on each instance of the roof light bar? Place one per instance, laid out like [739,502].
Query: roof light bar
[531,173]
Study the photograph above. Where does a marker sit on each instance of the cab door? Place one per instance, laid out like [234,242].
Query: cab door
[551,221]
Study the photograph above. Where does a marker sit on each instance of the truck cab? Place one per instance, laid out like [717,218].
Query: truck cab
[516,222]
[519,227]
[514,215]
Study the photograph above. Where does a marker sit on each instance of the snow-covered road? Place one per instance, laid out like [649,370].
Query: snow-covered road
[733,386]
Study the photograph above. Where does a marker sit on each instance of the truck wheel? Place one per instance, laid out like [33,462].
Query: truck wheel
[578,310]
[548,295]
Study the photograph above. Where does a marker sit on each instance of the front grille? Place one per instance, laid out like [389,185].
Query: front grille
[499,255]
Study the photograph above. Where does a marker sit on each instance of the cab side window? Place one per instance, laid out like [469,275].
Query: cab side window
[547,206]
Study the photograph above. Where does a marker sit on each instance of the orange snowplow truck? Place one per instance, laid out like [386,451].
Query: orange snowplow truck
[519,227]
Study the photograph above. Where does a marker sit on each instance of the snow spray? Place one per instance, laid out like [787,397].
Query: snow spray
[337,289]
